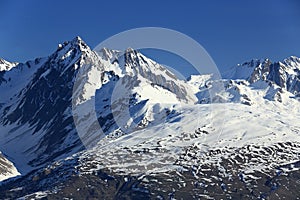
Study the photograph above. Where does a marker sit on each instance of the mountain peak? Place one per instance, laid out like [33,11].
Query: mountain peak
[130,50]
[77,38]
[133,57]
[5,65]
[65,103]
[293,58]
[108,54]
[292,61]
[283,73]
[75,43]
[252,63]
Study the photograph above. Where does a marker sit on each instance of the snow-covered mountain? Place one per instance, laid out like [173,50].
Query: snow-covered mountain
[36,110]
[284,74]
[160,136]
[255,81]
[7,169]
[5,65]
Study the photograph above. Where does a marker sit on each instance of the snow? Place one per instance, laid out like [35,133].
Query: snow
[18,77]
[6,66]
[242,71]
[13,173]
[20,145]
[11,170]
[229,126]
[36,195]
[155,112]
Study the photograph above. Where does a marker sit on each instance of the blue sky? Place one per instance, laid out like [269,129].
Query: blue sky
[231,31]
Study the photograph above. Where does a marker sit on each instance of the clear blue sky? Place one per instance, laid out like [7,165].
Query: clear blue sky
[231,31]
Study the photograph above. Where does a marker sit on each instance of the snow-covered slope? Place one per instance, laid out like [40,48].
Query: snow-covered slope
[205,156]
[36,100]
[5,65]
[284,74]
[36,126]
[152,123]
[130,92]
[255,82]
[158,147]
[7,169]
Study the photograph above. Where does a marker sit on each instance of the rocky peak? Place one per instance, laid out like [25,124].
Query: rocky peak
[76,43]
[68,53]
[292,62]
[108,54]
[285,74]
[5,65]
[133,57]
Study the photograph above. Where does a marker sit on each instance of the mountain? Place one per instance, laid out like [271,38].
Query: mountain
[284,74]
[113,124]
[5,65]
[36,116]
[37,119]
[7,169]
[257,80]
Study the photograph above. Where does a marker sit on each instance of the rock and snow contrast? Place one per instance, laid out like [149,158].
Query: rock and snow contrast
[163,138]
[7,169]
[5,65]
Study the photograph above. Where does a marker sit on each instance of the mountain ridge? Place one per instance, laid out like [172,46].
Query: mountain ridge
[153,124]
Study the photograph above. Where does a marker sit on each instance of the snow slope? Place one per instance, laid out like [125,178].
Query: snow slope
[5,65]
[284,74]
[7,169]
[38,98]
[157,148]
[136,117]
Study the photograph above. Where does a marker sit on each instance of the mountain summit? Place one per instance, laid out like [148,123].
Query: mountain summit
[5,65]
[285,74]
[161,137]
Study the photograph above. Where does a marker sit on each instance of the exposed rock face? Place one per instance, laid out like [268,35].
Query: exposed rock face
[37,98]
[162,137]
[5,65]
[284,74]
[7,169]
